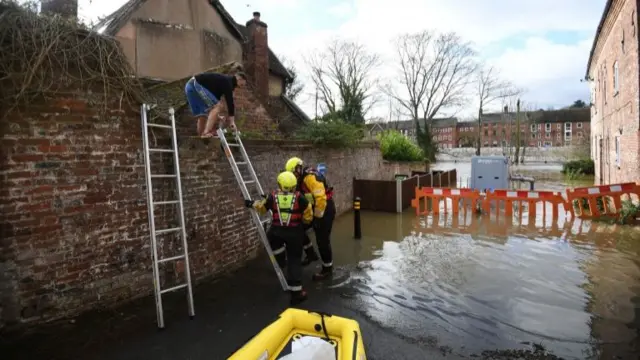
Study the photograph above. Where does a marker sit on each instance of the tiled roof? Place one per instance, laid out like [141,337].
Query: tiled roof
[111,24]
[541,116]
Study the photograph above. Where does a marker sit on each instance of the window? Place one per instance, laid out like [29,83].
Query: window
[547,143]
[533,136]
[618,151]
[579,125]
[450,137]
[580,134]
[539,143]
[486,133]
[547,135]
[533,127]
[558,136]
[539,127]
[616,80]
[547,127]
[558,126]
[567,134]
[567,126]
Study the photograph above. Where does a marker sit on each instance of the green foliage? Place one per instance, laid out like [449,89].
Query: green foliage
[629,212]
[334,133]
[426,142]
[579,167]
[397,147]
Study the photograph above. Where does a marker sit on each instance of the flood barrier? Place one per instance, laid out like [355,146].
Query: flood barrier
[600,201]
[584,203]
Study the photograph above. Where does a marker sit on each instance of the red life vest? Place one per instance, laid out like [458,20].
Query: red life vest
[285,209]
[328,190]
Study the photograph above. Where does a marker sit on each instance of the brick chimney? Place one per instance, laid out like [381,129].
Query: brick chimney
[65,8]
[257,56]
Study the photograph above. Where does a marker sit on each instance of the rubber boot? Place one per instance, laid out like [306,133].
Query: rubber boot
[310,257]
[323,274]
[297,297]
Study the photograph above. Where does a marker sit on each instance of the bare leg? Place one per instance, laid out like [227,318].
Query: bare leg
[201,123]
[212,121]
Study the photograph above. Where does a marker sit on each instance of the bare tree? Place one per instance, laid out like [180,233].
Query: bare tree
[294,86]
[489,89]
[344,75]
[434,71]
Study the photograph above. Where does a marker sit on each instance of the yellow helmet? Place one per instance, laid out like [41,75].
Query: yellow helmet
[287,181]
[292,163]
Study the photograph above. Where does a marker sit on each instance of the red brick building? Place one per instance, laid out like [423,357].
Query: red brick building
[613,75]
[543,128]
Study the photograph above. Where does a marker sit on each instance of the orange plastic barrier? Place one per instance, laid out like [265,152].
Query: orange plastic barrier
[530,197]
[593,202]
[442,194]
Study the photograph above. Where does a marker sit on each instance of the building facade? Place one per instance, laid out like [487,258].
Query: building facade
[552,128]
[613,76]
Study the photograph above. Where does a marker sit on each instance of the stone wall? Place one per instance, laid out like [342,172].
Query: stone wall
[74,231]
[560,154]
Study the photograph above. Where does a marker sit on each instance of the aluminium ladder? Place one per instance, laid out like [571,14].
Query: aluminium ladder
[181,230]
[260,224]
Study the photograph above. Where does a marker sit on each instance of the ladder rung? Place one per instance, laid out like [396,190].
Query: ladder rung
[163,176]
[241,163]
[166,202]
[233,144]
[160,126]
[164,231]
[161,150]
[249,181]
[171,259]
[178,287]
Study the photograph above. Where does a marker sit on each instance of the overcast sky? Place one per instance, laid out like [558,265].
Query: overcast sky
[540,45]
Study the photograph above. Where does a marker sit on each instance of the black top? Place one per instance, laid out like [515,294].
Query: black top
[220,85]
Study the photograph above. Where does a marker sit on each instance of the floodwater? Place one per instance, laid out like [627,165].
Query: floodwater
[463,287]
[472,283]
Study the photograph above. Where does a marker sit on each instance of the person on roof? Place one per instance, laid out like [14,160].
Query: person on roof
[204,92]
[316,189]
[289,211]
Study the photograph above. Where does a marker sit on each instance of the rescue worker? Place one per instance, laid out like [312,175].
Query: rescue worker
[316,189]
[290,210]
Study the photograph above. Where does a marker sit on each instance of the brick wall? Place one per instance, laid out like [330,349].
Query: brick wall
[615,115]
[75,226]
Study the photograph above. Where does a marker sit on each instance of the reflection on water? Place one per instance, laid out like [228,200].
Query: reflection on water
[475,284]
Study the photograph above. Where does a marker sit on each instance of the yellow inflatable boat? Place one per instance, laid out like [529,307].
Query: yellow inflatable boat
[301,334]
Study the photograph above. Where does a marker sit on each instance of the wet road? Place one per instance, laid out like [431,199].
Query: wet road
[421,288]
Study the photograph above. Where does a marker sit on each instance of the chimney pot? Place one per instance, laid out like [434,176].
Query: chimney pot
[506,108]
[256,15]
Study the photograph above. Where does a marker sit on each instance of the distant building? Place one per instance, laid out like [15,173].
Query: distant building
[544,128]
[614,76]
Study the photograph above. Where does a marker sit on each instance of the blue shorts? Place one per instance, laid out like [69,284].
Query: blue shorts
[200,99]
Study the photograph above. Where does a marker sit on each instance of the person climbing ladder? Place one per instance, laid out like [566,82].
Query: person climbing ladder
[204,92]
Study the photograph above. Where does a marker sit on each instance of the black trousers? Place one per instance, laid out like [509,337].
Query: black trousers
[322,228]
[286,244]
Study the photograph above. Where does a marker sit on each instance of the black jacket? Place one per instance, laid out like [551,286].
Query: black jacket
[220,85]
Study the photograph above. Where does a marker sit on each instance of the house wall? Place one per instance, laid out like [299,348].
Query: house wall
[615,116]
[276,85]
[196,39]
[73,199]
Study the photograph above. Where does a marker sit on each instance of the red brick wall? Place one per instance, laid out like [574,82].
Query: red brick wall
[616,115]
[75,225]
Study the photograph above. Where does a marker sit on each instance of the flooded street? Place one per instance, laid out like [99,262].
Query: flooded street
[420,287]
[472,284]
